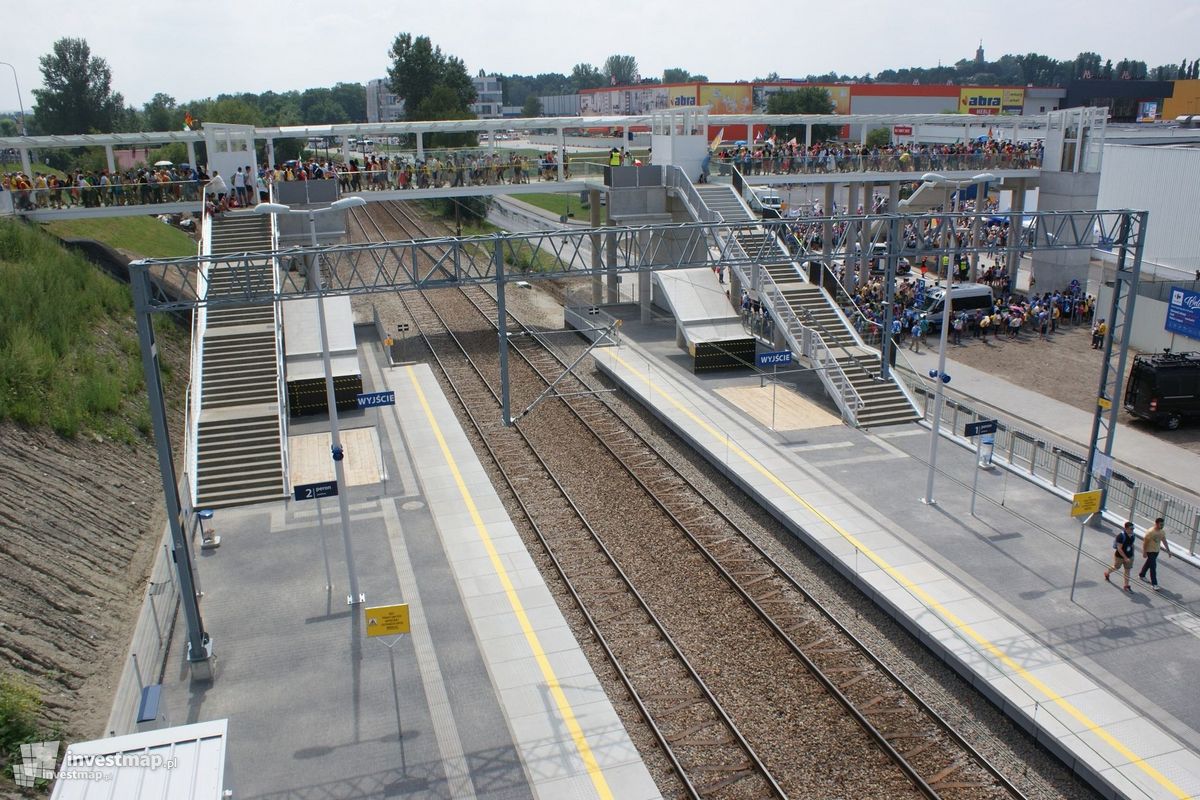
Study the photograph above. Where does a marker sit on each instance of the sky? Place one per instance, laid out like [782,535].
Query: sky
[197,50]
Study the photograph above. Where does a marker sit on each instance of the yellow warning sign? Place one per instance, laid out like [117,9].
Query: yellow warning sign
[387,620]
[1082,504]
[388,342]
[1104,403]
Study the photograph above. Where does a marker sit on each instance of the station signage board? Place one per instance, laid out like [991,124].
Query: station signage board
[776,359]
[1183,312]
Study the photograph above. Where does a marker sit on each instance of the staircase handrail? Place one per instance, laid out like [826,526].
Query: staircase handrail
[679,183]
[900,384]
[815,324]
[194,397]
[830,371]
[280,374]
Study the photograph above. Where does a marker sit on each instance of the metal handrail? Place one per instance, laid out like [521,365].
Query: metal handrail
[1052,461]
[280,374]
[195,388]
[830,372]
[677,181]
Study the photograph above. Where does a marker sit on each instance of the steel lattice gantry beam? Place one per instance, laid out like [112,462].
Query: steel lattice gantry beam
[356,269]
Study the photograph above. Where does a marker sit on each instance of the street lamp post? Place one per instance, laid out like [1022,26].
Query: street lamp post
[20,102]
[940,377]
[315,282]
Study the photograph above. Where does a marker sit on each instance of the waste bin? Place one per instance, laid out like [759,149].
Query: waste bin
[987,444]
[208,538]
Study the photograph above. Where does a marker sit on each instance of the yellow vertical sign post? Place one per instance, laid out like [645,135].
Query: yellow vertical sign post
[1083,505]
[391,621]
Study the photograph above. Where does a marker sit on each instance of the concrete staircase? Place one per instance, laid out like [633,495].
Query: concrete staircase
[239,436]
[883,403]
[721,198]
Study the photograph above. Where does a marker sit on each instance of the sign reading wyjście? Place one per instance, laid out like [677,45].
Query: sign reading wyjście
[387,620]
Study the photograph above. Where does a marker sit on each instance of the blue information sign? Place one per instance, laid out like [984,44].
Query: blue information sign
[775,359]
[1183,312]
[315,491]
[369,399]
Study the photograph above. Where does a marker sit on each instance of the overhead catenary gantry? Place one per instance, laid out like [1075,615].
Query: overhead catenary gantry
[181,284]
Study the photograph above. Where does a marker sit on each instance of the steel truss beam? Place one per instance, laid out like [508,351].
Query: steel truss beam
[356,269]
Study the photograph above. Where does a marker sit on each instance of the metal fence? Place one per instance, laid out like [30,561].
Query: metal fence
[1060,467]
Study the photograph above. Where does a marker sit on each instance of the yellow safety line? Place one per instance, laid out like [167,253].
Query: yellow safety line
[560,699]
[916,590]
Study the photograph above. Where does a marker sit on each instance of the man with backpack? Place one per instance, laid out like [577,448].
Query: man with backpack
[1123,554]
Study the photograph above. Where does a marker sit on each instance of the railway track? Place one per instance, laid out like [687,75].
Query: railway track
[822,691]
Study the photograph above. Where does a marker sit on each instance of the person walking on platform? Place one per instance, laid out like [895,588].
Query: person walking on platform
[1153,540]
[1123,554]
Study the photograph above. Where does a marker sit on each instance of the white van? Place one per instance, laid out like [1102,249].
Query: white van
[963,297]
[771,202]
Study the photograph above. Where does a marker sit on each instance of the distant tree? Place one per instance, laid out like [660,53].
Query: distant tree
[532,107]
[586,76]
[1087,64]
[237,112]
[699,78]
[77,96]
[805,100]
[676,75]
[621,70]
[772,77]
[9,126]
[1107,72]
[433,85]
[160,114]
[352,97]
[879,137]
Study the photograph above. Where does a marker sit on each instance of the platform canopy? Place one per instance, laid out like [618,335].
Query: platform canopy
[186,762]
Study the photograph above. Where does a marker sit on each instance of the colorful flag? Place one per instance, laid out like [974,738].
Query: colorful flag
[716,142]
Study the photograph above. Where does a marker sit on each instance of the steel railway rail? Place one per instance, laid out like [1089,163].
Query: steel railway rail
[937,760]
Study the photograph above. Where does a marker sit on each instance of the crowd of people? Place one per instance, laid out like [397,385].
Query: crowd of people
[183,183]
[1010,315]
[92,189]
[768,158]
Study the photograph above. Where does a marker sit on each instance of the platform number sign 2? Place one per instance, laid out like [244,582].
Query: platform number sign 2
[315,491]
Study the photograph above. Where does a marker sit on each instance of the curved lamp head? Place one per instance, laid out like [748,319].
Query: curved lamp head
[353,201]
[272,208]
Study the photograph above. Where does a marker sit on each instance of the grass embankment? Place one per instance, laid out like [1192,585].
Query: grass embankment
[136,236]
[68,356]
[17,166]
[559,204]
[519,254]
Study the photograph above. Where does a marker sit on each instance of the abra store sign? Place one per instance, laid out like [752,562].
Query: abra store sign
[976,100]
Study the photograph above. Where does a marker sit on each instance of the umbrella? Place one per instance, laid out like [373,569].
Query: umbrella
[163,164]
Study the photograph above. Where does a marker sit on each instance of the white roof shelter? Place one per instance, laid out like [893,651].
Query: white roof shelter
[181,763]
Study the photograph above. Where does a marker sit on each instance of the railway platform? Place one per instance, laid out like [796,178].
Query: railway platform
[489,696]
[1104,681]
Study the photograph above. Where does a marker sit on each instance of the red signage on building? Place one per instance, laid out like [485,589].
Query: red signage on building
[902,130]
